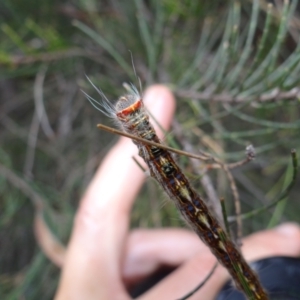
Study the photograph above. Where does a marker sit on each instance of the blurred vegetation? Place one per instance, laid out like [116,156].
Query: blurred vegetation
[233,65]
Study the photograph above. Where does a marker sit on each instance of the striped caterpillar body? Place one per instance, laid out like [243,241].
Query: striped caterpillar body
[130,113]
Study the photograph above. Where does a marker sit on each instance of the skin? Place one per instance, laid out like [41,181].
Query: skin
[104,255]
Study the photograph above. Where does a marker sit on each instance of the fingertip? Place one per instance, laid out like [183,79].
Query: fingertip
[289,229]
[283,240]
[290,235]
[161,103]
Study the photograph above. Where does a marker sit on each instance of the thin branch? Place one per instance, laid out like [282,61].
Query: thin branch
[274,95]
[37,200]
[17,60]
[136,138]
[31,146]
[38,94]
[224,212]
[201,284]
[250,152]
[237,202]
[198,168]
[139,165]
[49,243]
[204,157]
[250,155]
[280,197]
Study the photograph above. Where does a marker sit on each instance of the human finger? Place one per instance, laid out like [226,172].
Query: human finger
[95,250]
[149,249]
[281,241]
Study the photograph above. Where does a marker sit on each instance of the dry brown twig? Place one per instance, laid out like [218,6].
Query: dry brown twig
[206,183]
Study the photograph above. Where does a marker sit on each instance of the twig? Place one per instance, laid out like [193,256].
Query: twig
[198,287]
[136,138]
[280,197]
[138,163]
[250,155]
[12,127]
[275,94]
[237,202]
[48,242]
[44,57]
[224,212]
[205,179]
[39,105]
[37,200]
[250,152]
[31,146]
[203,157]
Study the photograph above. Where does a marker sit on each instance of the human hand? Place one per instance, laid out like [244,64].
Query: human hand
[104,256]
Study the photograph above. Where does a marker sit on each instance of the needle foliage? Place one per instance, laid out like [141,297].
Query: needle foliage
[233,66]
